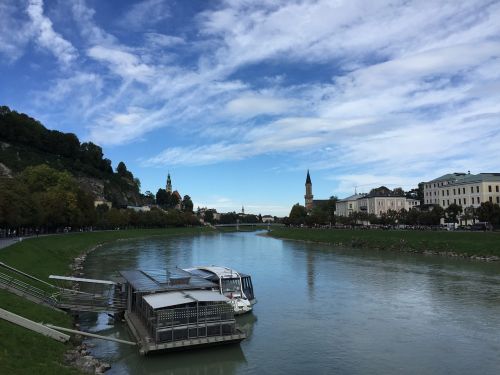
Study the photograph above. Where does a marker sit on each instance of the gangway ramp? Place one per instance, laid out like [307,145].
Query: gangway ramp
[105,298]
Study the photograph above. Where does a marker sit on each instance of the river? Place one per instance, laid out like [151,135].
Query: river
[322,310]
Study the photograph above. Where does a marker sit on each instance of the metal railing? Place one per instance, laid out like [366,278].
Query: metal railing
[10,282]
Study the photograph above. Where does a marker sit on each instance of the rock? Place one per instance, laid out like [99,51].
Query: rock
[86,364]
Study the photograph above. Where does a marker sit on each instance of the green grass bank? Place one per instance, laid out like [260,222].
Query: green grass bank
[23,351]
[466,244]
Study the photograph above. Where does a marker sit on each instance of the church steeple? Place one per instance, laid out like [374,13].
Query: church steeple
[169,184]
[308,178]
[309,195]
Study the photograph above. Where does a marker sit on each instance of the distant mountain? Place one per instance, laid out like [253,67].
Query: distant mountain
[25,142]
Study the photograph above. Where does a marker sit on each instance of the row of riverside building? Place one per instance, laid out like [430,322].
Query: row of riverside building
[463,189]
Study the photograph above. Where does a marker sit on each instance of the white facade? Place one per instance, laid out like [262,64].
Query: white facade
[346,206]
[268,219]
[376,205]
[463,189]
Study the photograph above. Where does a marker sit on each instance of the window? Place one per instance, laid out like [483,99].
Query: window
[442,192]
[472,200]
[434,185]
[448,202]
[498,199]
[459,201]
[472,189]
[463,190]
[454,192]
[478,200]
[447,192]
[496,188]
[491,199]
[455,201]
[443,203]
[489,188]
[465,202]
[477,189]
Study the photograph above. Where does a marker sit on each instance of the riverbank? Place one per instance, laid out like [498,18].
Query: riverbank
[473,245]
[24,352]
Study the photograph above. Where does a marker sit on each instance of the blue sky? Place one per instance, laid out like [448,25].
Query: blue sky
[237,99]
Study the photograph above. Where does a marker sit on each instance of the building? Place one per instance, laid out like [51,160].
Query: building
[346,206]
[463,189]
[377,202]
[169,184]
[308,197]
[99,202]
[268,219]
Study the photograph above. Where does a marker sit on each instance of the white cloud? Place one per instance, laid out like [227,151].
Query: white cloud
[145,13]
[254,105]
[46,37]
[15,32]
[123,63]
[413,84]
[162,40]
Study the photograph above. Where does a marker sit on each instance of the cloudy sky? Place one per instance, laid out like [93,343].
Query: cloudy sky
[237,99]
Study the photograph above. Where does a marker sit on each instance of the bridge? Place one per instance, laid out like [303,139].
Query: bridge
[237,225]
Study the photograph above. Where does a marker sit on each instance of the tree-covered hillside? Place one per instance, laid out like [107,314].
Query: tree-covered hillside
[25,142]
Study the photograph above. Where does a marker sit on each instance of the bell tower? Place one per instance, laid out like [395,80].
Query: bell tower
[169,184]
[309,195]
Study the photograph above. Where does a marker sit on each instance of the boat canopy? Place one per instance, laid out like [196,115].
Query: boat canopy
[165,280]
[168,299]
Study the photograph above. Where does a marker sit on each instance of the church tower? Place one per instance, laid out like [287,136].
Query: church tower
[309,195]
[169,184]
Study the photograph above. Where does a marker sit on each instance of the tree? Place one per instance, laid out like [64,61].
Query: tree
[187,204]
[398,192]
[452,212]
[162,198]
[469,214]
[122,171]
[209,216]
[489,212]
[297,215]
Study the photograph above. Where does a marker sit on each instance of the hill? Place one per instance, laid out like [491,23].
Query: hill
[25,142]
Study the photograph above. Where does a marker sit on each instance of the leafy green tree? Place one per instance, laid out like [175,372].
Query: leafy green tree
[297,214]
[187,204]
[452,212]
[209,216]
[162,198]
[489,212]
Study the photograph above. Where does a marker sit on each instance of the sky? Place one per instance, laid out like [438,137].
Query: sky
[238,99]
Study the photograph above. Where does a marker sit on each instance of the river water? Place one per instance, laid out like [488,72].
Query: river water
[322,310]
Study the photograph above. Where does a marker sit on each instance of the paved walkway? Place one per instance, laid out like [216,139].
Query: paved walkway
[4,242]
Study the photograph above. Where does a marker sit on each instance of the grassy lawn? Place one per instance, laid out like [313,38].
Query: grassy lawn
[26,352]
[464,243]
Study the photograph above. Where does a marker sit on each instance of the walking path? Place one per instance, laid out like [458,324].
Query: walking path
[4,242]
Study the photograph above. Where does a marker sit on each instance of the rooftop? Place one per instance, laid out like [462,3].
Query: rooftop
[467,178]
[352,197]
[167,299]
[164,280]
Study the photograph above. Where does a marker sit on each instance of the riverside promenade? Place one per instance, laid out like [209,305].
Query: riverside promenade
[4,242]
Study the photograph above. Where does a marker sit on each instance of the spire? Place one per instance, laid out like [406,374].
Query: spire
[308,178]
[169,183]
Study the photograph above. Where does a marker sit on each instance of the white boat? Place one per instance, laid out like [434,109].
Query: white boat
[234,285]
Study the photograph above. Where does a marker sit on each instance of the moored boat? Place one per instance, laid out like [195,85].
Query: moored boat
[232,284]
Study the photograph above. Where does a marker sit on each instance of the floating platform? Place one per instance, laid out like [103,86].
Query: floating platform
[176,311]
